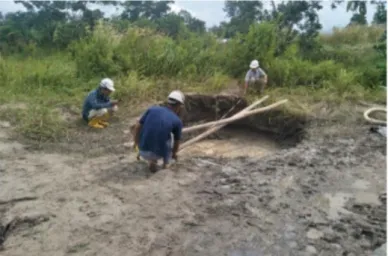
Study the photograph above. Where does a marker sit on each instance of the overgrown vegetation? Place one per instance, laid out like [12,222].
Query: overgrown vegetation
[51,57]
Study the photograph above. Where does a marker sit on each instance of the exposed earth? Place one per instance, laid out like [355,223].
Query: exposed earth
[239,193]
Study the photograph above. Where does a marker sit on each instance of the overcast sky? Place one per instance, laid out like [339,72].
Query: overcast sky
[211,12]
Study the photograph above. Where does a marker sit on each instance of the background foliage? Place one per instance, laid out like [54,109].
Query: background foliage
[53,53]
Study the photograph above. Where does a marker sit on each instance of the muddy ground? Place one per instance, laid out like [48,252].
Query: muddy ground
[242,192]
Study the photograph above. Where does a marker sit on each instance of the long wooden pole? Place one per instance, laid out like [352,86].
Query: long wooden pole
[218,127]
[253,105]
[244,113]
[234,118]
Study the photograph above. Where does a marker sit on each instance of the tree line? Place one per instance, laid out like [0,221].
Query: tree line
[55,24]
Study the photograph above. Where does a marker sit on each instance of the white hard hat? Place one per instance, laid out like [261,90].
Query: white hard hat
[176,96]
[254,64]
[107,83]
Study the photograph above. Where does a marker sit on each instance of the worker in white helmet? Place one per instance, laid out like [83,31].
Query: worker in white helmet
[152,134]
[98,107]
[256,78]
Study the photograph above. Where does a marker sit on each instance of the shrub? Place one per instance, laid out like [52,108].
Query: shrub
[93,55]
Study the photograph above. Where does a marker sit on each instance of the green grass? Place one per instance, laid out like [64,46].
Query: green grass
[353,35]
[146,67]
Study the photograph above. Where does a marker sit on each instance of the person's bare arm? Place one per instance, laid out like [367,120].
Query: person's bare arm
[136,136]
[245,87]
[138,127]
[246,82]
[177,132]
[175,149]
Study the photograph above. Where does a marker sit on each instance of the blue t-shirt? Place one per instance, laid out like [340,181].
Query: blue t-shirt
[157,125]
[95,100]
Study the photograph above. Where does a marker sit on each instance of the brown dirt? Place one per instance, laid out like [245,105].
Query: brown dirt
[253,195]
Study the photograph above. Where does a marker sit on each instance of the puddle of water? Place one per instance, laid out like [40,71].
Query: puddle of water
[367,198]
[334,204]
[314,234]
[287,182]
[361,184]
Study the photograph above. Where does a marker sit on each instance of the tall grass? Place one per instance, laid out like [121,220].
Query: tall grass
[353,35]
[146,65]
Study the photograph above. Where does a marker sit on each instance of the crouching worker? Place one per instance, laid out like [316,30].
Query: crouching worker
[153,131]
[98,107]
[256,78]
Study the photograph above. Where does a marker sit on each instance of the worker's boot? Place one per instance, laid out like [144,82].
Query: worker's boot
[153,166]
[94,123]
[103,123]
[103,120]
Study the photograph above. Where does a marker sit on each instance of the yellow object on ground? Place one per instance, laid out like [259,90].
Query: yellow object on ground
[103,123]
[99,119]
[94,123]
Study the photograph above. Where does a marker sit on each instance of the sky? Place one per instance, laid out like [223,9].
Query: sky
[212,12]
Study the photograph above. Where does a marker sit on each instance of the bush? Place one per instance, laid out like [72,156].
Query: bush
[146,65]
[94,54]
[260,43]
[146,52]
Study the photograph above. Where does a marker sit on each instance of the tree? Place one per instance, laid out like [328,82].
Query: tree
[380,16]
[49,23]
[192,23]
[134,10]
[298,14]
[242,14]
[172,25]
[292,18]
[359,10]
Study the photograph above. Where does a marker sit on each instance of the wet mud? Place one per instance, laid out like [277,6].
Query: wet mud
[314,199]
[243,191]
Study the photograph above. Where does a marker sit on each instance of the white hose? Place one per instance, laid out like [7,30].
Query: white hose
[373,120]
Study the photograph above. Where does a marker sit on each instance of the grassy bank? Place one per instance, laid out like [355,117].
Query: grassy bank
[146,66]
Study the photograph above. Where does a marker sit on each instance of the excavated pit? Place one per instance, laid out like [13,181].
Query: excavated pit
[254,136]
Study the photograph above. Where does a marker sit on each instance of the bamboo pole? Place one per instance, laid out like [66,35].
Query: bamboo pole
[253,105]
[218,127]
[221,123]
[234,118]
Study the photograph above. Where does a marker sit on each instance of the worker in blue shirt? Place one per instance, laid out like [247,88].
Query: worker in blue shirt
[153,131]
[98,107]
